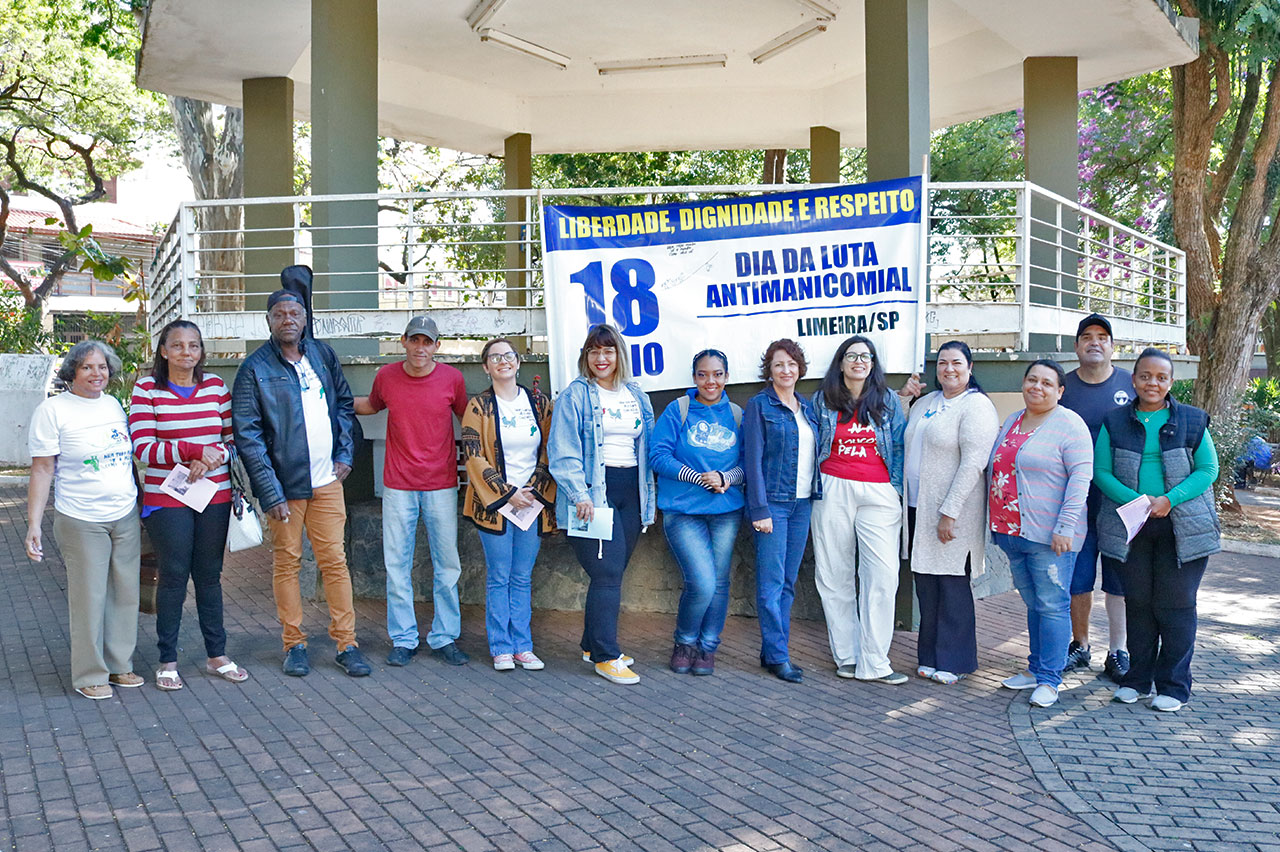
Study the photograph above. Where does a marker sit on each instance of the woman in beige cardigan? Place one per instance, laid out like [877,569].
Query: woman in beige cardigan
[948,440]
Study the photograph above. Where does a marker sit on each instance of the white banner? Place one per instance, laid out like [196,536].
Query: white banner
[816,266]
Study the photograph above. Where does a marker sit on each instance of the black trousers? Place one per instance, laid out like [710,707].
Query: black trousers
[604,563]
[189,545]
[947,639]
[1160,611]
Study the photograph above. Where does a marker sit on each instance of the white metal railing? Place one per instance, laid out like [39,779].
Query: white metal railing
[1006,261]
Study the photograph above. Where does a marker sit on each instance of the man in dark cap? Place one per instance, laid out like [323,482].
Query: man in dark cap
[1092,390]
[420,479]
[293,416]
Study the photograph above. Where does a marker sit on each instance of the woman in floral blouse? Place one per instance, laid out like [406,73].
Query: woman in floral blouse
[1040,467]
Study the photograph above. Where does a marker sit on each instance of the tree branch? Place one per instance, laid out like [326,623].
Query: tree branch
[1220,180]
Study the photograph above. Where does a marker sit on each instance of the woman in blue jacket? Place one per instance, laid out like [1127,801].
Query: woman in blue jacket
[599,456]
[779,455]
[696,454]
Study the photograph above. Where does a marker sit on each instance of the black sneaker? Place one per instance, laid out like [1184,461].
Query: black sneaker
[296,663]
[401,656]
[354,663]
[1077,658]
[1117,665]
[451,654]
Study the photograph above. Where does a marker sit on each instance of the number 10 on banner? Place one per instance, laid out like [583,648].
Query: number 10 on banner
[635,307]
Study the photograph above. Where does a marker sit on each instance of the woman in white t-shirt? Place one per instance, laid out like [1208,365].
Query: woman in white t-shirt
[504,439]
[80,441]
[599,455]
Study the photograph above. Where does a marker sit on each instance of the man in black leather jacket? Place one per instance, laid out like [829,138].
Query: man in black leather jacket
[293,415]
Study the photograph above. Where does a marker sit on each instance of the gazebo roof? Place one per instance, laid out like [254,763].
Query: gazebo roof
[605,75]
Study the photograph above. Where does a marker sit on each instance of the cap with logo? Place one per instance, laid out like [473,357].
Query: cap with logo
[1094,319]
[422,325]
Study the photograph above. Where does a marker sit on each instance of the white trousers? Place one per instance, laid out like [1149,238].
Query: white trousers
[857,524]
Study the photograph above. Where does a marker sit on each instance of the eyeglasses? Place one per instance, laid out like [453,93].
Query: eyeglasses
[859,357]
[499,357]
[606,351]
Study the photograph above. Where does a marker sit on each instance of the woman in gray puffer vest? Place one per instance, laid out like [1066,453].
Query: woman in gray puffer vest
[1161,449]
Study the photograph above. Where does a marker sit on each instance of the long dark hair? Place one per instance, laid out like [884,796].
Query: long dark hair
[963,349]
[869,408]
[160,366]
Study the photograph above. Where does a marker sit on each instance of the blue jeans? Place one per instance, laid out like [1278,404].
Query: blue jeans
[1042,578]
[703,547]
[400,513]
[778,556]
[508,588]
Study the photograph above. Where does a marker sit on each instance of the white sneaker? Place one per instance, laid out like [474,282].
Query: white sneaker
[504,662]
[1022,680]
[925,672]
[529,661]
[1166,704]
[1044,696]
[1126,695]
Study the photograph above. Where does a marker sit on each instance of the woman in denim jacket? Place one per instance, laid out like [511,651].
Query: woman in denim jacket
[599,456]
[860,459]
[779,452]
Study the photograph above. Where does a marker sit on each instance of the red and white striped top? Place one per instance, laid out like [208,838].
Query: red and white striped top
[169,429]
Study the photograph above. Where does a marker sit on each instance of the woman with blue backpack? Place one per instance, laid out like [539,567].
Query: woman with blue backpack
[696,454]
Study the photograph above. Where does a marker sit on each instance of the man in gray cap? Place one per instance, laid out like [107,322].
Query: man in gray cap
[1094,389]
[420,479]
[292,413]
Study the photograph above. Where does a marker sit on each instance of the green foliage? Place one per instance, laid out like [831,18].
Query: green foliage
[132,345]
[1256,412]
[20,329]
[71,71]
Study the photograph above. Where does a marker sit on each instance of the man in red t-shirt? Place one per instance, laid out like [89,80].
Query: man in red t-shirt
[420,479]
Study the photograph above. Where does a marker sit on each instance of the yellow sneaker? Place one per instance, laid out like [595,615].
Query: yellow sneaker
[617,671]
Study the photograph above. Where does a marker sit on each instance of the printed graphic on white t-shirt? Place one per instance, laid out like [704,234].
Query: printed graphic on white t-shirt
[520,438]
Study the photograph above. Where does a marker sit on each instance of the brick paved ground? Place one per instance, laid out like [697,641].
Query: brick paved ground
[466,758]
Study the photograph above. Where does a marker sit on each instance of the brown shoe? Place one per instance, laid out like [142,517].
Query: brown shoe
[95,693]
[128,680]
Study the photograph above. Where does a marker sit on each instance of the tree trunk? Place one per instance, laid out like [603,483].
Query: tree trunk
[1271,341]
[775,166]
[215,163]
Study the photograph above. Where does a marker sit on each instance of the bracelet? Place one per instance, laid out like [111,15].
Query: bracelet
[720,474]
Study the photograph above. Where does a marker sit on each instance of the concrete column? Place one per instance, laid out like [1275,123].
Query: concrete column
[344,149]
[897,57]
[518,166]
[1050,115]
[824,155]
[268,171]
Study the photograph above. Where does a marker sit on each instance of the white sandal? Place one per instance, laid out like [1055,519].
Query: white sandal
[168,679]
[230,671]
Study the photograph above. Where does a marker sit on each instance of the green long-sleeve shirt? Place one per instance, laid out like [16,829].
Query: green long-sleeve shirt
[1151,470]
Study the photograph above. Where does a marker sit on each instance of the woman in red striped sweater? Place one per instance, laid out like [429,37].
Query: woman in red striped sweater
[181,415]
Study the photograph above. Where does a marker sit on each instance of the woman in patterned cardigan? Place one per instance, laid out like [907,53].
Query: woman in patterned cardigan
[504,439]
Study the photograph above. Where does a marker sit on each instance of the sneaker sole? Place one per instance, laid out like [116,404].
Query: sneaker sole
[533,667]
[510,668]
[1039,704]
[622,680]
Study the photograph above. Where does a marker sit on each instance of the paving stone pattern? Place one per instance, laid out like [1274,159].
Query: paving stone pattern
[434,757]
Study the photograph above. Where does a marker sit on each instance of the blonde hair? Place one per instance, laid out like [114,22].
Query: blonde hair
[599,337]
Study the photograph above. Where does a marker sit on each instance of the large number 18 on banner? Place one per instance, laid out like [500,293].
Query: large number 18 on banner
[816,266]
